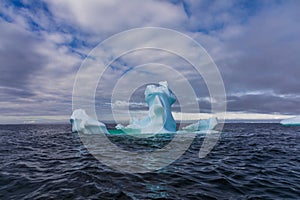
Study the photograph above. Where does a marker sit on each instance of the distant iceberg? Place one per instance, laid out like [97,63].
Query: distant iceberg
[202,125]
[294,121]
[83,123]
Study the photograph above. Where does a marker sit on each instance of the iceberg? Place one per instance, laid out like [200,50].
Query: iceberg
[83,123]
[294,121]
[202,125]
[159,98]
[159,120]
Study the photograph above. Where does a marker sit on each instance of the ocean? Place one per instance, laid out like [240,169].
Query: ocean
[250,161]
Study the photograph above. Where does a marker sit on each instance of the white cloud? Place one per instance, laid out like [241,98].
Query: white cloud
[109,16]
[125,104]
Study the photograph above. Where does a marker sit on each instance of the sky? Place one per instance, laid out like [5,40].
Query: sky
[255,45]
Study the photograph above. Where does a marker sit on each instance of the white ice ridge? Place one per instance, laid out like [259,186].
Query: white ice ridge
[294,121]
[83,123]
[159,120]
[202,125]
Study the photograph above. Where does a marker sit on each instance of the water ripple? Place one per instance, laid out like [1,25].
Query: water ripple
[250,161]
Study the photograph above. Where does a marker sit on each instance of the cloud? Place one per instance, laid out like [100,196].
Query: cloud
[262,54]
[255,44]
[264,103]
[17,49]
[37,70]
[125,104]
[110,16]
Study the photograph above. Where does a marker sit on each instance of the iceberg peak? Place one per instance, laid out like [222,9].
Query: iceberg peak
[159,120]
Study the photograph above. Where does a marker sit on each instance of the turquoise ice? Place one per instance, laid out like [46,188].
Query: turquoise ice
[294,121]
[159,120]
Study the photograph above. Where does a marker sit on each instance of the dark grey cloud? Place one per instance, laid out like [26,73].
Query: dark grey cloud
[267,50]
[255,46]
[264,103]
[262,55]
[19,59]
[33,78]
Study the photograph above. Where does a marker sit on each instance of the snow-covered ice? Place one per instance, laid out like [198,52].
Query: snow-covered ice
[202,125]
[83,123]
[294,121]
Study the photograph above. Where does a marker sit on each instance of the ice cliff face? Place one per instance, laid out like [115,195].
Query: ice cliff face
[159,120]
[202,125]
[294,121]
[83,123]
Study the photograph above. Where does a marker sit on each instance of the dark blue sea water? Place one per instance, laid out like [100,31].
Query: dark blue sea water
[250,161]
